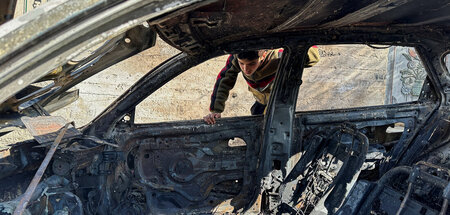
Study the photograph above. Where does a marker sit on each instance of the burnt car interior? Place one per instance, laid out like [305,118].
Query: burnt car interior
[336,161]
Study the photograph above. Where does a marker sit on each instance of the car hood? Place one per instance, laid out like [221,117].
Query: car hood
[40,51]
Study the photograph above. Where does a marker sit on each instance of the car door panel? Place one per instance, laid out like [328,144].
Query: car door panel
[196,162]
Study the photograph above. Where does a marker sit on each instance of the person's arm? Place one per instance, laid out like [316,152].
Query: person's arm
[224,83]
[313,56]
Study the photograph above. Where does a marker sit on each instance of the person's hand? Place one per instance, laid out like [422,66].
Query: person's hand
[211,118]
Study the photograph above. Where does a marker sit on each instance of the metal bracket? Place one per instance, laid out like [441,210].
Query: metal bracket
[447,96]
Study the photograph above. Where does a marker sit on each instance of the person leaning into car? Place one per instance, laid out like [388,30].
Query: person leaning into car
[258,69]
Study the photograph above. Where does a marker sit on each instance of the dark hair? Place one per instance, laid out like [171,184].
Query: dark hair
[248,55]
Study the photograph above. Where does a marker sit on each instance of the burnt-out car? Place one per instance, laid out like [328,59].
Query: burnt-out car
[382,158]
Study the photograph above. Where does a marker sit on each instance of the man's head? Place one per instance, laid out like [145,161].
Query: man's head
[249,61]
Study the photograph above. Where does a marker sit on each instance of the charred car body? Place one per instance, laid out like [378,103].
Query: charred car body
[292,162]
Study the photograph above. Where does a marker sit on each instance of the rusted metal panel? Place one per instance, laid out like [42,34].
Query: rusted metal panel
[44,128]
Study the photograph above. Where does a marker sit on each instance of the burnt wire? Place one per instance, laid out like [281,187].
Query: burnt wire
[402,205]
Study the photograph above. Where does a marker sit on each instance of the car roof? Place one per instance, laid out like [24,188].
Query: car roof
[226,21]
